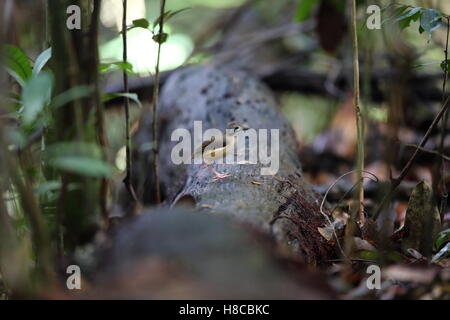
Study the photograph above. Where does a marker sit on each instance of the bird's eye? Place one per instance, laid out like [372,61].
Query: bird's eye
[235,128]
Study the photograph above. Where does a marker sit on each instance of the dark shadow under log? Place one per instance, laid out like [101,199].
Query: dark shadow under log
[283,203]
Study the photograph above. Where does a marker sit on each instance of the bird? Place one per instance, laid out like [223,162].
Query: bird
[212,150]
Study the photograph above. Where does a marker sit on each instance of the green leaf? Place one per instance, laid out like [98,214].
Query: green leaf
[398,12]
[394,256]
[79,158]
[417,15]
[158,20]
[445,65]
[113,66]
[167,16]
[36,94]
[133,96]
[411,15]
[174,13]
[140,23]
[160,38]
[17,64]
[430,20]
[428,64]
[368,255]
[83,166]
[444,252]
[71,95]
[304,9]
[16,137]
[42,60]
[442,238]
[46,187]
[74,148]
[403,24]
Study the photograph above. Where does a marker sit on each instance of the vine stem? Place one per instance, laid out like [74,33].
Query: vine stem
[327,218]
[443,113]
[41,239]
[395,182]
[101,136]
[155,103]
[358,115]
[442,164]
[127,180]
[437,153]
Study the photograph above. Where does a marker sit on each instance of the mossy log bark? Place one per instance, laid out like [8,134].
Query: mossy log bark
[283,203]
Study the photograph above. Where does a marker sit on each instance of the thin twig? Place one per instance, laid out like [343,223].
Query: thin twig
[358,115]
[353,259]
[442,164]
[343,197]
[325,198]
[127,180]
[41,240]
[444,157]
[101,136]
[395,182]
[155,103]
[444,83]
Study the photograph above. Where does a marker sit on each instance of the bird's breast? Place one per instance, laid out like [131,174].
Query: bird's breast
[218,153]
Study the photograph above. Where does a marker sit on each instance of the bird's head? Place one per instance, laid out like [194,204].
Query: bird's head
[234,128]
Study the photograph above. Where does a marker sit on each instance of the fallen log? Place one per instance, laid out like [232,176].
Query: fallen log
[180,254]
[283,203]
